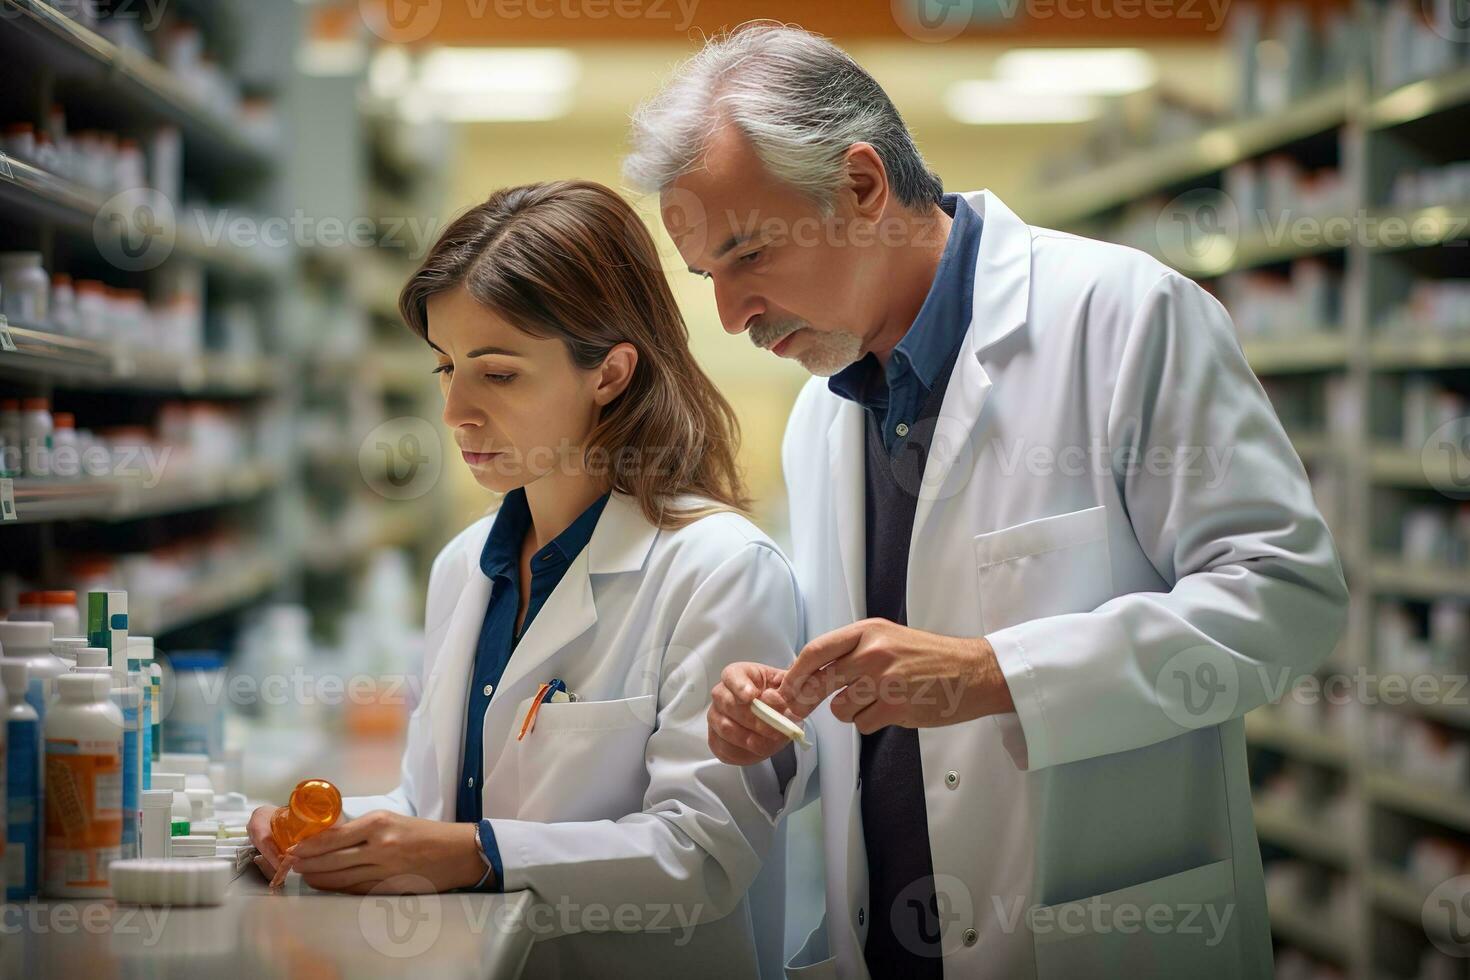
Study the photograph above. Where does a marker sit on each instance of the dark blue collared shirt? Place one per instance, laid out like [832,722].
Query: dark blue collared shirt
[896,393]
[500,561]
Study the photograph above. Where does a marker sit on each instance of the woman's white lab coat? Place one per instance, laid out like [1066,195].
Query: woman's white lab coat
[638,843]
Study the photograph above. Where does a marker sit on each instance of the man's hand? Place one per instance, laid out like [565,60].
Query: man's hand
[886,674]
[384,851]
[736,736]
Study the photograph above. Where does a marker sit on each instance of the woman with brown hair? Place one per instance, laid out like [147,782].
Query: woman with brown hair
[574,634]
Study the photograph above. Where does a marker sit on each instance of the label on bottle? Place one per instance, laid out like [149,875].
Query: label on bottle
[21,790]
[83,811]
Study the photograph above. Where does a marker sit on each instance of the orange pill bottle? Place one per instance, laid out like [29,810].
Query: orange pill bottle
[314,806]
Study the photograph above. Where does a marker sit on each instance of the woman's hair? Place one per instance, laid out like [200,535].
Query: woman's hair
[571,260]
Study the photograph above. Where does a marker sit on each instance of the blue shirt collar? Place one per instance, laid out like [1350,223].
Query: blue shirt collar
[502,551]
[942,320]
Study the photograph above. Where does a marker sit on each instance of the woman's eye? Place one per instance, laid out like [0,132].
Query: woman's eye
[443,369]
[500,379]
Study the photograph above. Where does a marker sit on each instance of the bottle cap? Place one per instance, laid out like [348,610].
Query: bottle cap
[158,799]
[155,881]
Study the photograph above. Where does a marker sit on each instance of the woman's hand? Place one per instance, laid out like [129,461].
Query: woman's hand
[386,851]
[737,736]
[259,829]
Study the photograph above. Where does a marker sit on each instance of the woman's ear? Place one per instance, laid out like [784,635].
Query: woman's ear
[616,372]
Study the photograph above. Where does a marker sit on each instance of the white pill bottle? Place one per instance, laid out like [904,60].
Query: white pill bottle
[84,734]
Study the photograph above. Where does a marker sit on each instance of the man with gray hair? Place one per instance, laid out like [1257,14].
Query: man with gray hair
[1052,540]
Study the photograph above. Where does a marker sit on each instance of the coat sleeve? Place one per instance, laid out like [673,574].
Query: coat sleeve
[1256,596]
[700,839]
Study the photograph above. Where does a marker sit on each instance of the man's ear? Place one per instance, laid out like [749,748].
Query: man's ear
[616,372]
[867,181]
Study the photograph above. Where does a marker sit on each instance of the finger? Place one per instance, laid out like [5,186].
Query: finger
[876,716]
[282,870]
[338,860]
[729,753]
[334,881]
[266,868]
[334,838]
[858,694]
[760,743]
[269,851]
[725,706]
[744,681]
[815,656]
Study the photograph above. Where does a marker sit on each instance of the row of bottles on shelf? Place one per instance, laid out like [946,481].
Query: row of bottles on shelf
[193,439]
[97,159]
[1305,300]
[1424,187]
[178,44]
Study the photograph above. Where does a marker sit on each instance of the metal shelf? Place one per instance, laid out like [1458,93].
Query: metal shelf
[77,52]
[1391,576]
[1156,169]
[1264,729]
[1295,829]
[216,594]
[1298,354]
[114,499]
[1403,351]
[42,354]
[1418,100]
[47,196]
[1445,806]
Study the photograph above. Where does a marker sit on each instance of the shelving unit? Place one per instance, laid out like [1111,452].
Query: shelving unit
[281,550]
[1363,461]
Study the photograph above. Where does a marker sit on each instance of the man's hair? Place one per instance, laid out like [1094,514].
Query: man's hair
[800,100]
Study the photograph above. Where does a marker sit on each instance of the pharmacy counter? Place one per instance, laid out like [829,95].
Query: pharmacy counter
[299,932]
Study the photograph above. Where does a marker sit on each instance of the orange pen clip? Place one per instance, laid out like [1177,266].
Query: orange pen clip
[536,703]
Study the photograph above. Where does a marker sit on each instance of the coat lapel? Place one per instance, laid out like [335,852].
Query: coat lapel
[846,456]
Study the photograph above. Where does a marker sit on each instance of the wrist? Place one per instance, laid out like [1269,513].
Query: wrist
[993,680]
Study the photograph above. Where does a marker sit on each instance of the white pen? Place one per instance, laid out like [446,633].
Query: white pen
[780,722]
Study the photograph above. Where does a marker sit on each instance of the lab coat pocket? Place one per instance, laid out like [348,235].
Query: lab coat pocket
[1176,926]
[1045,567]
[584,760]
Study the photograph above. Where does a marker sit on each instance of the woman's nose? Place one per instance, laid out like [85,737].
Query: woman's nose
[459,408]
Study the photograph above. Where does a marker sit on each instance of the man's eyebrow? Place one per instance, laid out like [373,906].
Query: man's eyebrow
[733,242]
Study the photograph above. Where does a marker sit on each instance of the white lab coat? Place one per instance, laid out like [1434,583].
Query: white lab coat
[1106,590]
[612,810]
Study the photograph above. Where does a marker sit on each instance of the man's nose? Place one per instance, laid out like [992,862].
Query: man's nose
[736,310]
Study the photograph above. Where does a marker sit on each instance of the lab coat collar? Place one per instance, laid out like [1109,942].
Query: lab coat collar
[1002,273]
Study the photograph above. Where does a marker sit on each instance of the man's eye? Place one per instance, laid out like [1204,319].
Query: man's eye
[750,257]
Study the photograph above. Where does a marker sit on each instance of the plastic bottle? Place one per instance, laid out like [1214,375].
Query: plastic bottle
[31,642]
[195,723]
[314,806]
[140,658]
[10,447]
[59,606]
[35,436]
[156,829]
[65,461]
[65,648]
[26,288]
[22,786]
[180,809]
[91,660]
[84,779]
[194,766]
[63,305]
[129,701]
